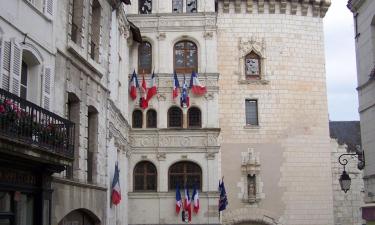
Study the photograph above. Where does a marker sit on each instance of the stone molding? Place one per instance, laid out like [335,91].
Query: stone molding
[319,7]
[250,215]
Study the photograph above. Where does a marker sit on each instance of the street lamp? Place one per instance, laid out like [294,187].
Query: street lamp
[345,180]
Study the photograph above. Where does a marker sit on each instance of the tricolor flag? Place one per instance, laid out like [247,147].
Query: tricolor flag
[187,202]
[153,89]
[184,99]
[116,190]
[143,102]
[133,86]
[176,86]
[178,200]
[196,86]
[195,198]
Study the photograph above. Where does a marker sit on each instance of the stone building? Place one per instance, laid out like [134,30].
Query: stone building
[364,20]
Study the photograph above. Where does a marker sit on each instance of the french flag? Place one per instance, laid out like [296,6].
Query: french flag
[153,89]
[143,101]
[176,86]
[133,86]
[196,86]
[116,190]
[184,99]
[178,200]
[187,203]
[195,198]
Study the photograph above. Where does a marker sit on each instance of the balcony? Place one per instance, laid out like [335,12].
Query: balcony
[27,130]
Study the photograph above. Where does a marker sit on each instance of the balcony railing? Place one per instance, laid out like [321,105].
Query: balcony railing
[30,124]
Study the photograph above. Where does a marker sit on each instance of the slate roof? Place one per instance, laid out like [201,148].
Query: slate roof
[346,132]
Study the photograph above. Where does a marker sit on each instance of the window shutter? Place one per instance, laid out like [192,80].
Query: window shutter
[48,8]
[5,65]
[1,59]
[15,68]
[47,87]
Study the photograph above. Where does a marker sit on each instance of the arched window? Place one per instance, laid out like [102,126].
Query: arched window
[80,217]
[30,73]
[252,65]
[145,6]
[144,58]
[185,173]
[174,117]
[185,57]
[194,117]
[145,176]
[151,119]
[137,118]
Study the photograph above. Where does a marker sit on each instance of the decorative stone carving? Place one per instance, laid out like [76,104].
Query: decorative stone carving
[272,5]
[260,6]
[209,96]
[250,168]
[304,7]
[226,6]
[161,156]
[161,36]
[210,155]
[161,97]
[246,46]
[293,5]
[185,141]
[237,6]
[283,6]
[208,35]
[316,8]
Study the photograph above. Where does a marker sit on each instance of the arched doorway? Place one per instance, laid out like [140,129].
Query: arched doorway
[80,217]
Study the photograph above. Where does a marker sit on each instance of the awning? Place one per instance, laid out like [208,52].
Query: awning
[136,32]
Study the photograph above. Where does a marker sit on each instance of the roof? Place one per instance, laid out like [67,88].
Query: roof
[346,132]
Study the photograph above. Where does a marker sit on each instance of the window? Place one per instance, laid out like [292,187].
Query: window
[174,117]
[24,69]
[92,140]
[95,30]
[145,6]
[77,19]
[137,118]
[177,6]
[191,6]
[144,58]
[252,65]
[185,173]
[251,188]
[185,57]
[74,116]
[145,176]
[30,77]
[251,112]
[151,119]
[194,117]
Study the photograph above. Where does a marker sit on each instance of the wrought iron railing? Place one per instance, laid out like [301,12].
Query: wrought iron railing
[30,124]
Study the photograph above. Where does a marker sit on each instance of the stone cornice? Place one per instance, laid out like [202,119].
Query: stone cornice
[319,7]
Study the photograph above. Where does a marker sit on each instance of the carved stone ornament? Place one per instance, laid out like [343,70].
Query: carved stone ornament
[250,168]
[246,46]
[161,97]
[208,35]
[161,156]
[209,96]
[161,36]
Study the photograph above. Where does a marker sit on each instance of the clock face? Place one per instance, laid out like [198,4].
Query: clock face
[252,67]
[145,6]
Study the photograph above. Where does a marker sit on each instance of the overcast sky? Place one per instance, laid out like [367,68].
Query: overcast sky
[340,62]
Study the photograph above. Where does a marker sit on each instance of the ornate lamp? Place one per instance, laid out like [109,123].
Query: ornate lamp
[345,181]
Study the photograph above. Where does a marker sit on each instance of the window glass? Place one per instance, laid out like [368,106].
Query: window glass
[185,173]
[252,65]
[185,57]
[194,117]
[177,6]
[191,6]
[144,58]
[145,177]
[137,119]
[145,6]
[251,112]
[151,119]
[174,117]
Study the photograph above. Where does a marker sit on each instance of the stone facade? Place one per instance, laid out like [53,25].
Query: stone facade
[291,138]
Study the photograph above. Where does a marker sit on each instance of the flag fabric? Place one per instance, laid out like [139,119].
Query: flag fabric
[223,201]
[153,89]
[176,86]
[195,198]
[133,86]
[178,200]
[184,99]
[116,190]
[196,86]
[187,205]
[143,102]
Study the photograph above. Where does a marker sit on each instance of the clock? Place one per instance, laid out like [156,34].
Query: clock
[145,6]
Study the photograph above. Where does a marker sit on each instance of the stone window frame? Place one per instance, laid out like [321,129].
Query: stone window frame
[95,58]
[247,46]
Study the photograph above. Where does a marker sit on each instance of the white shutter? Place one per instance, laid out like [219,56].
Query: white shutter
[47,87]
[15,68]
[1,59]
[48,8]
[5,65]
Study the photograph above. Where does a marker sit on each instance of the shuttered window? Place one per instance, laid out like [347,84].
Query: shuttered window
[251,112]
